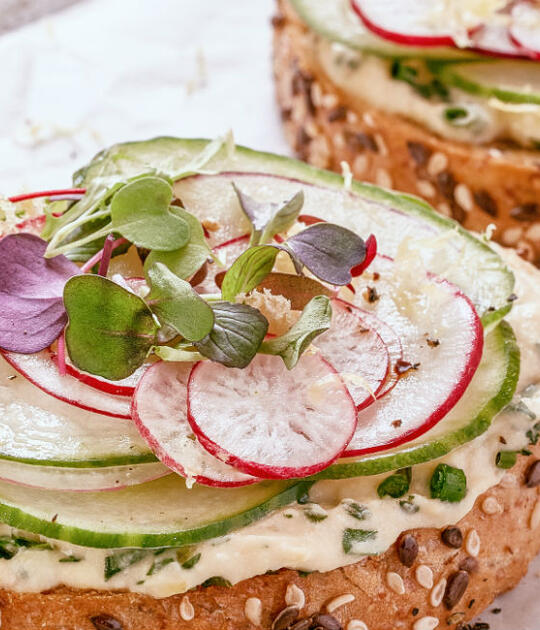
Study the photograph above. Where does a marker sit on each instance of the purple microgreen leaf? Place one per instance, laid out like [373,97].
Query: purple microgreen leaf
[329,251]
[238,332]
[106,256]
[110,329]
[269,218]
[299,290]
[31,289]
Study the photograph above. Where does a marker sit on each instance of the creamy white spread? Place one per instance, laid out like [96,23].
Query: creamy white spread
[289,537]
[368,78]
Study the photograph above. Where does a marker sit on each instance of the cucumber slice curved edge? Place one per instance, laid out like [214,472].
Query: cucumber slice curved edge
[516,82]
[337,22]
[124,518]
[168,155]
[501,347]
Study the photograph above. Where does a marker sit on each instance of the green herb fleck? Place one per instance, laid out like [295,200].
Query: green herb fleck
[448,484]
[409,506]
[522,408]
[70,559]
[506,459]
[534,434]
[189,564]
[357,511]
[353,536]
[216,580]
[432,88]
[117,562]
[315,513]
[395,485]
[157,565]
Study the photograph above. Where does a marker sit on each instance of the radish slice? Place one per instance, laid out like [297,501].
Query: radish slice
[495,40]
[269,422]
[80,479]
[227,252]
[159,411]
[42,370]
[441,332]
[356,351]
[525,28]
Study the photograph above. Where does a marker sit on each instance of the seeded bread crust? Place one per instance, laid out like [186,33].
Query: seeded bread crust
[508,529]
[476,185]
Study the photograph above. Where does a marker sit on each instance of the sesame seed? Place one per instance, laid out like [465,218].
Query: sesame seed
[472,543]
[490,505]
[395,582]
[316,94]
[352,118]
[437,593]
[444,209]
[425,188]
[340,601]
[311,129]
[253,610]
[329,101]
[437,163]
[424,576]
[426,623]
[368,119]
[294,596]
[187,612]
[533,233]
[463,197]
[381,145]
[356,624]
[382,178]
[512,235]
[535,516]
[339,140]
[360,165]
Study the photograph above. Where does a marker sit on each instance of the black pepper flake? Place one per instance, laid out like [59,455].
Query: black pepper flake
[402,367]
[526,212]
[407,550]
[105,622]
[11,377]
[433,343]
[471,603]
[452,537]
[415,611]
[337,113]
[455,588]
[512,297]
[532,476]
[53,519]
[502,439]
[278,21]
[371,294]
[397,423]
[419,152]
[376,275]
[496,611]
[486,202]
[286,114]
[361,142]
[301,85]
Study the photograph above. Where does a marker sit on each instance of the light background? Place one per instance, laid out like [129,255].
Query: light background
[105,71]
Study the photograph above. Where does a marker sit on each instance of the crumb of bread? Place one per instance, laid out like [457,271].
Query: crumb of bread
[276,309]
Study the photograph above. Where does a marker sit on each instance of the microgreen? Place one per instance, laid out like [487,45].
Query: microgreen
[248,270]
[315,320]
[141,212]
[268,218]
[187,260]
[110,329]
[31,289]
[176,303]
[237,334]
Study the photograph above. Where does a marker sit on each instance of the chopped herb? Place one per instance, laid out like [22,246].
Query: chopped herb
[506,459]
[10,546]
[315,513]
[360,512]
[117,562]
[525,452]
[353,536]
[409,506]
[157,565]
[448,484]
[432,88]
[189,564]
[70,559]
[521,407]
[304,573]
[287,515]
[534,434]
[303,497]
[216,580]
[395,485]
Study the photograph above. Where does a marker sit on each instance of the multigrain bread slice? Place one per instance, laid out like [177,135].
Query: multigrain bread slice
[477,185]
[500,537]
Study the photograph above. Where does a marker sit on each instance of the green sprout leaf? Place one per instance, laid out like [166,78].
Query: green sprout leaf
[110,330]
[176,303]
[238,332]
[267,218]
[248,270]
[396,485]
[187,260]
[315,320]
[448,484]
[140,213]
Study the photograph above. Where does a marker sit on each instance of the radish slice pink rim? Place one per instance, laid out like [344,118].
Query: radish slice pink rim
[62,192]
[464,378]
[154,433]
[15,361]
[287,428]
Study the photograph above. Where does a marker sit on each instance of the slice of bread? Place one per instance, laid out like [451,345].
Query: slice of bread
[500,536]
[477,185]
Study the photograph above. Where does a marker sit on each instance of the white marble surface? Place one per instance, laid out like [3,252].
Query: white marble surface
[104,71]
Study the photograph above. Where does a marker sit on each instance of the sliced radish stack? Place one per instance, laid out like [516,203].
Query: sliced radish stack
[269,422]
[227,252]
[80,479]
[525,28]
[41,370]
[159,411]
[356,351]
[443,337]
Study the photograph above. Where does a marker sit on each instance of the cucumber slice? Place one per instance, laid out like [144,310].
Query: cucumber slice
[36,428]
[162,513]
[508,81]
[338,22]
[490,390]
[447,249]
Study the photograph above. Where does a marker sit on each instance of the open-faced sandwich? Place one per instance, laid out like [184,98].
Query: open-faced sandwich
[439,98]
[238,392]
